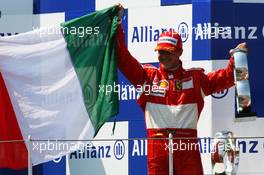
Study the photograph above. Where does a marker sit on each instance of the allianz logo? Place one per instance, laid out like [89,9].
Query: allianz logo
[220,94]
[139,149]
[127,92]
[246,146]
[116,151]
[148,33]
[208,30]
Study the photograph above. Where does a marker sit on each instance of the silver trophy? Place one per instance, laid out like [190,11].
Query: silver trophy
[225,155]
[241,75]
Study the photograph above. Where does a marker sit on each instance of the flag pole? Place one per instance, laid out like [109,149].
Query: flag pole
[170,154]
[29,157]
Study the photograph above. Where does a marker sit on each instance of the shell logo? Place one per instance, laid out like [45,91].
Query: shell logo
[163,84]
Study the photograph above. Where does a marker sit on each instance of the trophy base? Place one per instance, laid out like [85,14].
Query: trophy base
[248,116]
[223,173]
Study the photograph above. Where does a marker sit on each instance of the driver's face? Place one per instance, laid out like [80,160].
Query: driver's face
[169,60]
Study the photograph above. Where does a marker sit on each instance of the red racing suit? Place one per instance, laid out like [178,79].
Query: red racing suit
[172,106]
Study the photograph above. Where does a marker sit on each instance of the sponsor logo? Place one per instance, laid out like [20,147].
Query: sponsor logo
[101,151]
[249,146]
[146,34]
[57,160]
[159,89]
[127,92]
[186,83]
[245,146]
[220,94]
[178,85]
[92,152]
[200,31]
[119,149]
[140,148]
[164,84]
[204,31]
[149,33]
[183,31]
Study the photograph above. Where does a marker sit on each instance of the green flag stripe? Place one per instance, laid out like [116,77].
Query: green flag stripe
[93,56]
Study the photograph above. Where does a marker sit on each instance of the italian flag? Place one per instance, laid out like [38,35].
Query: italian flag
[52,87]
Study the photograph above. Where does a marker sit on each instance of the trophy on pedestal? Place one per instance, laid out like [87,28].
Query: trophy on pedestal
[242,92]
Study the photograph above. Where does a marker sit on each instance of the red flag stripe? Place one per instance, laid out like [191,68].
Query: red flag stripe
[12,155]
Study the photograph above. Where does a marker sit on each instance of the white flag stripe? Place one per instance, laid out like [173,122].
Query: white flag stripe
[44,89]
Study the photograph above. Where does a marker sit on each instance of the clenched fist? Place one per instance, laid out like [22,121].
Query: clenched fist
[241,46]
